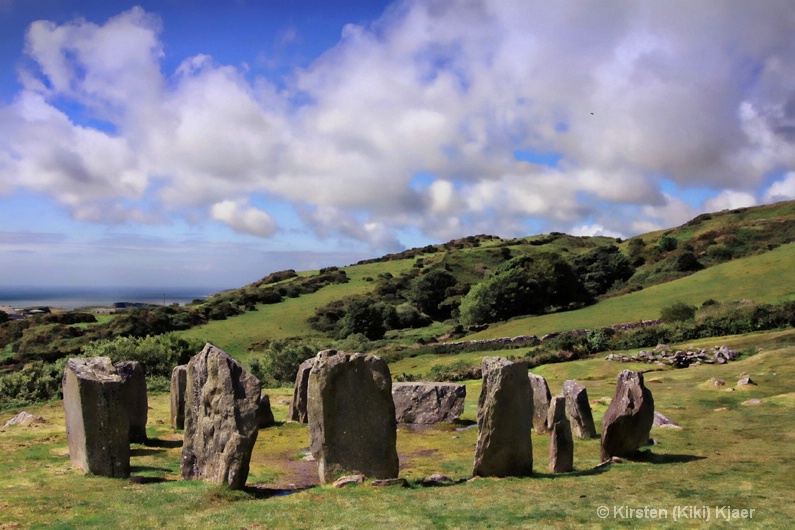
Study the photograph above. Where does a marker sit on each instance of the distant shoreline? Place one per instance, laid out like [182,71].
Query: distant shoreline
[70,298]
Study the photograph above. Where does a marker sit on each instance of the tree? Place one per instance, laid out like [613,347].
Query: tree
[363,316]
[602,267]
[430,290]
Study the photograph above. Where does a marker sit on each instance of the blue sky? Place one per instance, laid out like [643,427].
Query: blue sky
[209,143]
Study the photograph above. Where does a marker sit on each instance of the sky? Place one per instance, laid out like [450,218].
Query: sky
[209,143]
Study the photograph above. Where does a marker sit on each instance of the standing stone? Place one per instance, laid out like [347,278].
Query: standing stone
[352,425]
[628,419]
[221,419]
[505,416]
[297,410]
[541,399]
[579,410]
[428,402]
[133,390]
[97,428]
[561,444]
[265,414]
[179,383]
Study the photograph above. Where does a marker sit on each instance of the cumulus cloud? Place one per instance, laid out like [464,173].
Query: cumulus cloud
[782,190]
[243,218]
[627,94]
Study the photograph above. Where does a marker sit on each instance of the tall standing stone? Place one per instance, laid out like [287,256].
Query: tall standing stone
[97,428]
[428,402]
[352,425]
[134,399]
[505,416]
[297,410]
[179,383]
[628,420]
[561,444]
[579,409]
[541,398]
[221,419]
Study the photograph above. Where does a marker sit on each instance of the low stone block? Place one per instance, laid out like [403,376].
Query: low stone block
[97,428]
[428,402]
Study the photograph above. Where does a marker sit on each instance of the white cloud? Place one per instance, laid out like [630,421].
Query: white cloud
[628,94]
[594,230]
[782,190]
[729,200]
[243,219]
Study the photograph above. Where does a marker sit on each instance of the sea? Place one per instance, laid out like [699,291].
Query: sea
[75,297]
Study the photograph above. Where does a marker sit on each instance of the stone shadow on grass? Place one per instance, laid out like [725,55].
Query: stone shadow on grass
[139,451]
[653,458]
[168,444]
[579,473]
[262,492]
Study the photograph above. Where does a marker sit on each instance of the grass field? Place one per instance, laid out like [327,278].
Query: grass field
[727,454]
[766,278]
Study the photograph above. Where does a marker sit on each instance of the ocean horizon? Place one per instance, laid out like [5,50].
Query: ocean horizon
[74,297]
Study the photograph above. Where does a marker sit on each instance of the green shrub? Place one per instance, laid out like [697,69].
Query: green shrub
[677,312]
[34,383]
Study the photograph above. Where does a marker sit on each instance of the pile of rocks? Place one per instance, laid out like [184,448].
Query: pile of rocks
[663,355]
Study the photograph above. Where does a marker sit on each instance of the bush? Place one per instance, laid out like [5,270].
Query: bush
[678,312]
[36,382]
[158,355]
[279,364]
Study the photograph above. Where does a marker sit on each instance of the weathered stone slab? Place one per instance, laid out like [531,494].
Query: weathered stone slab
[561,443]
[97,429]
[505,416]
[352,425]
[428,402]
[297,411]
[179,383]
[579,410]
[628,419]
[221,419]
[541,398]
[135,401]
[265,414]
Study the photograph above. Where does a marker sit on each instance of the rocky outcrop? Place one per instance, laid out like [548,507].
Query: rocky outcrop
[265,414]
[541,398]
[179,383]
[221,419]
[628,420]
[428,402]
[352,425]
[505,416]
[97,428]
[579,410]
[662,355]
[297,411]
[134,399]
[561,443]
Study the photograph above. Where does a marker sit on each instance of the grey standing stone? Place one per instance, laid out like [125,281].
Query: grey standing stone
[352,425]
[505,416]
[297,410]
[561,443]
[428,402]
[221,419]
[541,398]
[97,429]
[579,410]
[628,419]
[179,383]
[265,414]
[136,403]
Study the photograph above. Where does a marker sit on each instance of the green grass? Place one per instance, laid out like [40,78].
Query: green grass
[765,278]
[736,457]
